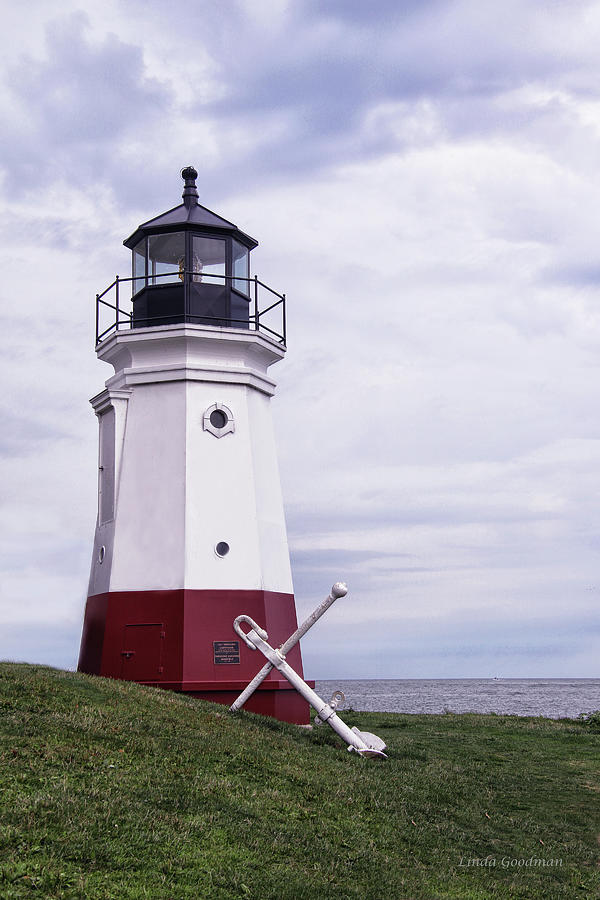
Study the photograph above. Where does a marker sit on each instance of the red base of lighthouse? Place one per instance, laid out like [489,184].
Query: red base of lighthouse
[183,640]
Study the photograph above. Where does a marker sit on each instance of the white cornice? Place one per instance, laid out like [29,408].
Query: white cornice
[189,343]
[190,352]
[104,400]
[220,374]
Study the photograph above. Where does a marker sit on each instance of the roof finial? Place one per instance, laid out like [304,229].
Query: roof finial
[190,191]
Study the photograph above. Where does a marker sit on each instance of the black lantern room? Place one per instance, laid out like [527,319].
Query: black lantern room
[190,265]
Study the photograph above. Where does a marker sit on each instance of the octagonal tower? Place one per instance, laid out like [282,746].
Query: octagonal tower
[190,530]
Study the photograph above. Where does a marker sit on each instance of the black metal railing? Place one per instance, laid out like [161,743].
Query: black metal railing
[121,316]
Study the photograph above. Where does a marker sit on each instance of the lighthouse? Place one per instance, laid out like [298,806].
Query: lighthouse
[190,529]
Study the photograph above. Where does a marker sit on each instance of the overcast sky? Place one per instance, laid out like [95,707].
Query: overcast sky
[424,181]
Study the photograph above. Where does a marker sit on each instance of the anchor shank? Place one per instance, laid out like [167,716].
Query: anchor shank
[324,711]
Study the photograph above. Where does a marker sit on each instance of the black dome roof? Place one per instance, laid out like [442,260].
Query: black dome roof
[189,215]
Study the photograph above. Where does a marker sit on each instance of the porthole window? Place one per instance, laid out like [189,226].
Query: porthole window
[222,548]
[218,420]
[101,554]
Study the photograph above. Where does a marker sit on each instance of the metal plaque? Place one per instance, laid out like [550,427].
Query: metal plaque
[226,653]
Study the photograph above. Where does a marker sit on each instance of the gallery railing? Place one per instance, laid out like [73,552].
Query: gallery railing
[121,316]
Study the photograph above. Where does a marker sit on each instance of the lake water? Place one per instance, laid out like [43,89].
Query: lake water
[553,697]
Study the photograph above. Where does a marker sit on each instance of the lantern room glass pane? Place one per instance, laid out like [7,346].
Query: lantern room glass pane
[240,267]
[208,258]
[166,257]
[139,266]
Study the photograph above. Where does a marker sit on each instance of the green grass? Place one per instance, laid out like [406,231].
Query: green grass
[111,790]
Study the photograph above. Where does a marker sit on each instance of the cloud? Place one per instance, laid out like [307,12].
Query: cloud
[22,435]
[423,181]
[49,644]
[72,108]
[322,76]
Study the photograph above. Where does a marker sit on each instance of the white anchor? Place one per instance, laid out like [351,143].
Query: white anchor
[363,742]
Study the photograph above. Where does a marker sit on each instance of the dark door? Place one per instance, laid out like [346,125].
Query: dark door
[142,652]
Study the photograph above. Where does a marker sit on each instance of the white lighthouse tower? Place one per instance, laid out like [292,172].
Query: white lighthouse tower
[191,529]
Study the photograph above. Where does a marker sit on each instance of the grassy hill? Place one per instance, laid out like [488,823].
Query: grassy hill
[111,790]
